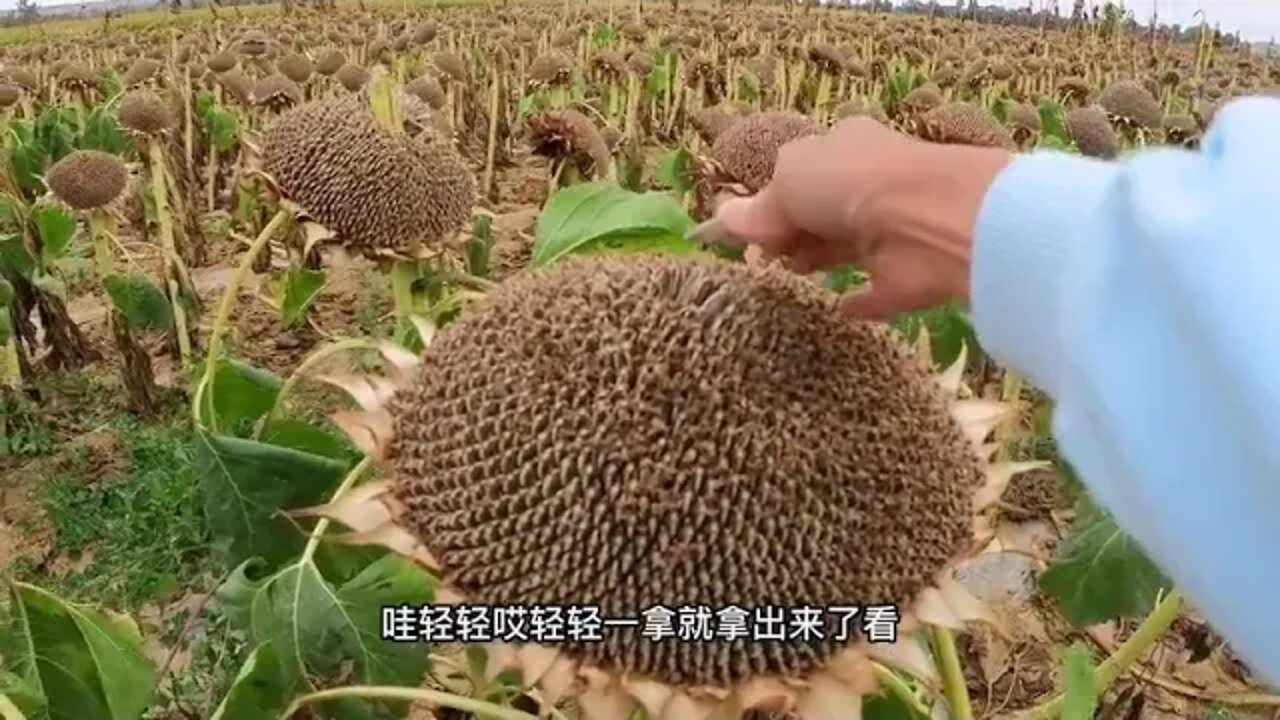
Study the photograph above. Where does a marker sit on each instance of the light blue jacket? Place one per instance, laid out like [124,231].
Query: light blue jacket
[1144,297]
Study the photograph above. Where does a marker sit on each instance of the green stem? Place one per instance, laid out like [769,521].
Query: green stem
[478,707]
[953,686]
[227,304]
[1154,626]
[301,372]
[313,542]
[900,689]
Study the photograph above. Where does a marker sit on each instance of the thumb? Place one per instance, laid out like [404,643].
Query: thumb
[757,220]
[870,303]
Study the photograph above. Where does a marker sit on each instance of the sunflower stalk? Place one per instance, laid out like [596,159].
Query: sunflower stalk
[481,708]
[1130,651]
[160,196]
[227,304]
[953,685]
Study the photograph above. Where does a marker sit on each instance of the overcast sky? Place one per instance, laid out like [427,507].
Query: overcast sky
[1255,19]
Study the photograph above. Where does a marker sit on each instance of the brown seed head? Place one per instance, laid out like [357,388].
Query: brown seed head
[144,112]
[748,149]
[375,189]
[620,432]
[87,179]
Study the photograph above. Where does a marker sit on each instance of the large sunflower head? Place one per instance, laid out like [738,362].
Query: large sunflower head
[639,434]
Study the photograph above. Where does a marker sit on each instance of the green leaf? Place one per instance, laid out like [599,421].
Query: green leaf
[142,302]
[1053,125]
[318,627]
[6,293]
[1080,691]
[603,35]
[479,245]
[674,170]
[102,132]
[843,279]
[1100,573]
[241,395]
[886,706]
[298,291]
[56,225]
[262,689]
[24,699]
[235,594]
[949,330]
[578,217]
[15,257]
[246,483]
[308,437]
[6,326]
[86,662]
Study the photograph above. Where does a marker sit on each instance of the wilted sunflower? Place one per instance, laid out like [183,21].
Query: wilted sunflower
[382,193]
[667,465]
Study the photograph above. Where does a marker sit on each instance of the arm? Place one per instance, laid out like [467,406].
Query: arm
[1144,297]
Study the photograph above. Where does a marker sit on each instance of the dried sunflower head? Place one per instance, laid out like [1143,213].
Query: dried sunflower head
[380,192]
[87,179]
[1132,105]
[570,135]
[959,123]
[1092,132]
[143,111]
[746,152]
[276,92]
[667,465]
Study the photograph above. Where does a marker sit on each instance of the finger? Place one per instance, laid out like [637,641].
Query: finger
[757,220]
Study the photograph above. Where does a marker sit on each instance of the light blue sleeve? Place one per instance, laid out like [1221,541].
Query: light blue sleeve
[1143,296]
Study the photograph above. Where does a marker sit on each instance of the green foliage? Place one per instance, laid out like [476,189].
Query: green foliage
[1053,125]
[902,79]
[602,216]
[241,395]
[303,626]
[220,125]
[137,503]
[1100,573]
[478,247]
[102,132]
[662,72]
[84,662]
[949,330]
[140,300]
[748,86]
[675,170]
[246,484]
[261,691]
[54,133]
[885,706]
[1080,685]
[24,700]
[15,257]
[603,35]
[844,279]
[55,225]
[296,292]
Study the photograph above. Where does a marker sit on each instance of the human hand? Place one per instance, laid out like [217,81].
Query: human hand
[901,209]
